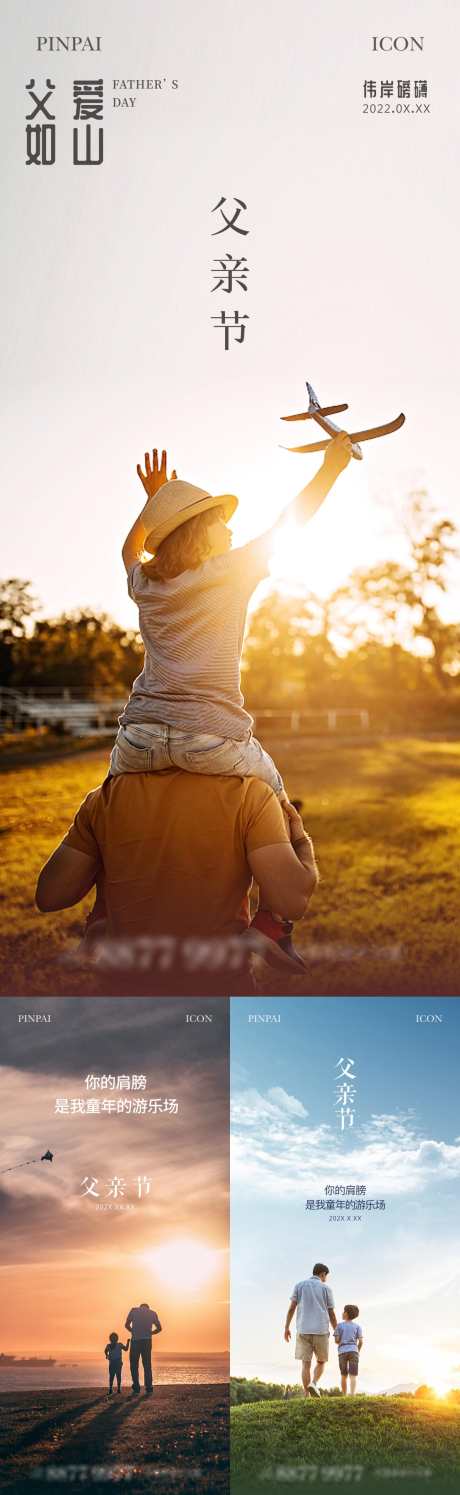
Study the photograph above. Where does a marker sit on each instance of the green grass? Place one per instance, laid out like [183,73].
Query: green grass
[37,806]
[384,818]
[275,1444]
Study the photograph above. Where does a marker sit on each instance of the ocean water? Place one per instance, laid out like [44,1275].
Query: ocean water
[190,1370]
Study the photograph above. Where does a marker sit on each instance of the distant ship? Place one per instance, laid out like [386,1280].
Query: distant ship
[7,1360]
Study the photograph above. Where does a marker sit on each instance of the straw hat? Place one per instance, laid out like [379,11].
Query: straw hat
[176,502]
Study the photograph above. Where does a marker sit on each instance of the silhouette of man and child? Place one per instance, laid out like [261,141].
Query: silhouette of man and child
[142,1323]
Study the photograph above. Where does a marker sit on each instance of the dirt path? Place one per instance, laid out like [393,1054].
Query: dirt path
[175,1440]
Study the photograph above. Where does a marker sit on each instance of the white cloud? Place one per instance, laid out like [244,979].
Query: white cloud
[288,1103]
[276,1149]
[249,1106]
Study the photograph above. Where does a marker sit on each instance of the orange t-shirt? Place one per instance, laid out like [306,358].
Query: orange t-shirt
[172,849]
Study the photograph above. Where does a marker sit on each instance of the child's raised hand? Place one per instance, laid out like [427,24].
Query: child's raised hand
[338,454]
[155,474]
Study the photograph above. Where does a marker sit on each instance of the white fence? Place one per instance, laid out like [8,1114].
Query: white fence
[305,721]
[69,711]
[62,710]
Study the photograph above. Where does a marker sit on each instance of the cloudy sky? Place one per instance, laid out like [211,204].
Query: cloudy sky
[71,1271]
[108,344]
[399,1265]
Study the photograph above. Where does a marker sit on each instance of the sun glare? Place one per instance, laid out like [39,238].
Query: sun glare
[183,1263]
[349,529]
[303,558]
[288,562]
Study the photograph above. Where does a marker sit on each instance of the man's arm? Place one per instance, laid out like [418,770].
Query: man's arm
[286,871]
[289,1317]
[128,1324]
[156,1329]
[65,878]
[152,480]
[330,1307]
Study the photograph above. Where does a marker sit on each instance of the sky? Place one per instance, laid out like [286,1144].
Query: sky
[108,344]
[400,1265]
[71,1271]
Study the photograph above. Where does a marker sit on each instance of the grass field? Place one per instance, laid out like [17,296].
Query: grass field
[384,818]
[276,1444]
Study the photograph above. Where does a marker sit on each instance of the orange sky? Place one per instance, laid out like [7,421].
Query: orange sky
[70,1310]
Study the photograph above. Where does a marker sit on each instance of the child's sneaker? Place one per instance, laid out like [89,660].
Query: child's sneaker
[272,939]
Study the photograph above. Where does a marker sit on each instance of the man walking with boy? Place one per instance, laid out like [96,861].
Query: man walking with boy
[314,1303]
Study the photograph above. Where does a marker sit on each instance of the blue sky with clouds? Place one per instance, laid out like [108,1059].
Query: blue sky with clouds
[401,1264]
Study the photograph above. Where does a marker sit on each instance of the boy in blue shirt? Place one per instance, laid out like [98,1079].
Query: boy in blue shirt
[349,1338]
[113,1353]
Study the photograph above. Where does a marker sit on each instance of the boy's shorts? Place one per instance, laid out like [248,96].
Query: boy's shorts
[150,747]
[349,1363]
[307,1345]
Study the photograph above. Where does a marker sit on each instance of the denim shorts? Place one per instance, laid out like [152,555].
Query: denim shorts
[349,1363]
[150,747]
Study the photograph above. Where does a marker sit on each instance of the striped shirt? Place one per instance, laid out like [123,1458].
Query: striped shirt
[192,629]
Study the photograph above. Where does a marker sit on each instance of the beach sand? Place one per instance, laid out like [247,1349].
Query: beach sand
[174,1441]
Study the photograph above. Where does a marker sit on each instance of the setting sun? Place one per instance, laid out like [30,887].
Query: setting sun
[184,1264]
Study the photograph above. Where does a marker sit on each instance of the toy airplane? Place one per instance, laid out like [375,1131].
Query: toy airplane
[320,414]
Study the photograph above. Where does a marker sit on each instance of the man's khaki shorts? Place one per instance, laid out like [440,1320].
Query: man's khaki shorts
[307,1345]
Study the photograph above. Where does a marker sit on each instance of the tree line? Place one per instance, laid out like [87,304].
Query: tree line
[243,1390]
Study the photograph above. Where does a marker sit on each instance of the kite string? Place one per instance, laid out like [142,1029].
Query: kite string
[20,1165]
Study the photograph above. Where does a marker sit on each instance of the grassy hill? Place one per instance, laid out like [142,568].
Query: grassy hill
[375,1441]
